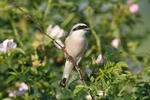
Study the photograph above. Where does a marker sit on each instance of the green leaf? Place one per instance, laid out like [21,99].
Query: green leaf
[63,94]
[10,78]
[121,64]
[6,99]
[12,73]
[18,50]
[78,89]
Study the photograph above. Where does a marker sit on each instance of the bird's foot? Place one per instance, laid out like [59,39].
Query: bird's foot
[70,58]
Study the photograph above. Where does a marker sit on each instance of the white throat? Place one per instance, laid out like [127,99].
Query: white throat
[78,33]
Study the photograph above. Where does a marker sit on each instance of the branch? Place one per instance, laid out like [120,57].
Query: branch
[42,31]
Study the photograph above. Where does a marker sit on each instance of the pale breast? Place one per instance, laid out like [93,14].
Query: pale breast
[75,46]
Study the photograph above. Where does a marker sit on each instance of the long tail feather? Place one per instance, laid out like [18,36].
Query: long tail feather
[68,68]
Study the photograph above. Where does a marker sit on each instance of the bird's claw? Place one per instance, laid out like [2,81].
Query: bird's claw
[70,58]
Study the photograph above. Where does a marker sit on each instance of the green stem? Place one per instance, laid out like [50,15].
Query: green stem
[16,34]
[47,8]
[68,19]
[93,31]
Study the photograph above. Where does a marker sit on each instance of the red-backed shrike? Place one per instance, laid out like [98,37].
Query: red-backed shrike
[75,44]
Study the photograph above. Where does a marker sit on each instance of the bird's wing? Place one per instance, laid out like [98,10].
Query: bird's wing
[66,41]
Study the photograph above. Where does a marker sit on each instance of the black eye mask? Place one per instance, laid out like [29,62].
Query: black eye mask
[80,27]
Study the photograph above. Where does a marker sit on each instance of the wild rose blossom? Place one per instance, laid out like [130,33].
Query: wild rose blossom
[99,59]
[115,43]
[55,32]
[11,93]
[101,93]
[2,49]
[88,97]
[7,44]
[133,7]
[88,70]
[23,87]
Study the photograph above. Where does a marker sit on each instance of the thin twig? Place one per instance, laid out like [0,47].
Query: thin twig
[98,42]
[42,31]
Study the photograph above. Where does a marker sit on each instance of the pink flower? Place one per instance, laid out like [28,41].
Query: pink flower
[23,87]
[2,48]
[99,59]
[88,70]
[88,97]
[101,93]
[55,32]
[11,93]
[7,44]
[133,7]
[115,43]
[15,93]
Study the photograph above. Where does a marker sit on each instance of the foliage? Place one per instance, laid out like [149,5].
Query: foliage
[37,62]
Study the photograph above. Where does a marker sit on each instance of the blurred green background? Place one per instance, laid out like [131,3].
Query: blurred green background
[142,29]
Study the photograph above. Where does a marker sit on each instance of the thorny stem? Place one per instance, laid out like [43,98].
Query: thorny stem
[39,26]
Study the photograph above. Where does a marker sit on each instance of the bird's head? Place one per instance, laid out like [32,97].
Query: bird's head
[79,29]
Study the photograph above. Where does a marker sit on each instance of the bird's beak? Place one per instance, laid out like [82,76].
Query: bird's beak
[87,29]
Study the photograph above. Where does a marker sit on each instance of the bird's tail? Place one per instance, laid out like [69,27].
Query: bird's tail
[68,68]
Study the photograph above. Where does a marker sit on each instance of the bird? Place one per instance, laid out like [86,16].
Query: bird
[75,44]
